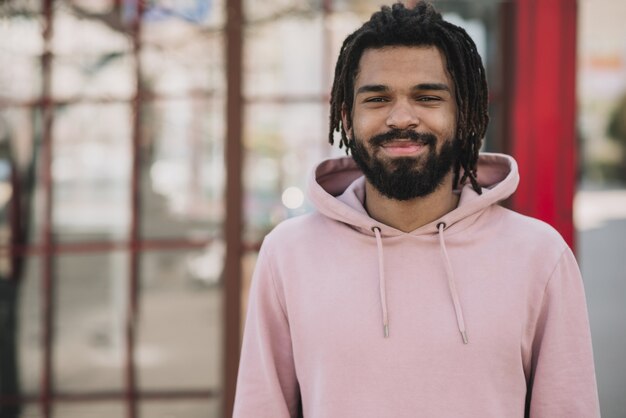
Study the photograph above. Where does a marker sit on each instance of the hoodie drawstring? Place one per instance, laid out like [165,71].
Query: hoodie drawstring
[381,281]
[449,274]
[451,284]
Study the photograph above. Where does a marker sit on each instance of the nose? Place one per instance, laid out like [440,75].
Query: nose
[402,116]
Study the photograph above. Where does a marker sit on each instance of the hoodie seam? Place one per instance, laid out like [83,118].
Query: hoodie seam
[534,323]
[545,290]
[551,275]
[531,329]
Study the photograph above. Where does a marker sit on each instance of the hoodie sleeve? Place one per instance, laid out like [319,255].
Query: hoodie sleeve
[563,380]
[266,385]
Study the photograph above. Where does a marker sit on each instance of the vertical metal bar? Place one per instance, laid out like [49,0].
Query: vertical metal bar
[233,227]
[327,9]
[48,284]
[327,71]
[134,238]
[506,44]
[195,143]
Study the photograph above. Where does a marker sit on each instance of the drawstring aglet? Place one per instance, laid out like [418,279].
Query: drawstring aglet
[386,330]
[464,335]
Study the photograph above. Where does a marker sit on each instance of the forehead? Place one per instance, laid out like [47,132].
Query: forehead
[402,65]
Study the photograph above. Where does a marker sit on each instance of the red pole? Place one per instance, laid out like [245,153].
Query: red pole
[543,135]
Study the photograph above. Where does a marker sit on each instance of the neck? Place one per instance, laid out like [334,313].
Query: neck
[409,215]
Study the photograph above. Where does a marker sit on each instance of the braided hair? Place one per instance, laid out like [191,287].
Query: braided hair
[419,26]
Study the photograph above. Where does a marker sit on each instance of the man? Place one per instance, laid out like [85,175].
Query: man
[410,292]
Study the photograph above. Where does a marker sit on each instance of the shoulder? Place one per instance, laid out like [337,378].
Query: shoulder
[529,228]
[533,252]
[294,232]
[528,238]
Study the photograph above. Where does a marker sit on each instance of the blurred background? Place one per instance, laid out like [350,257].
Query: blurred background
[147,146]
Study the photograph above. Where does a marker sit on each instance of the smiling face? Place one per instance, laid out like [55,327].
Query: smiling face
[403,120]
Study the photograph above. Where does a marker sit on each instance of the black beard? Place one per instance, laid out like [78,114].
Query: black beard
[405,178]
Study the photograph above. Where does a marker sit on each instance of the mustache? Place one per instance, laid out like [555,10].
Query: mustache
[394,134]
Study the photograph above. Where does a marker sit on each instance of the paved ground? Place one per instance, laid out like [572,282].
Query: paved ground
[601,220]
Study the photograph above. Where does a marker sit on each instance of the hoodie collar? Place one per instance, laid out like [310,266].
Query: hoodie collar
[337,190]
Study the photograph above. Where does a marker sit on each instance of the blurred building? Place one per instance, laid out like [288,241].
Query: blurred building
[146,147]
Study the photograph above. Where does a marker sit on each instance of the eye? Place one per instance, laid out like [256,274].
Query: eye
[428,99]
[376,99]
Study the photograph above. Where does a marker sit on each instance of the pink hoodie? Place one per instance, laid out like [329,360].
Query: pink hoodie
[478,314]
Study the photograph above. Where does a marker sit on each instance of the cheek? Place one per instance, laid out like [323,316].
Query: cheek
[359,129]
[367,125]
[446,124]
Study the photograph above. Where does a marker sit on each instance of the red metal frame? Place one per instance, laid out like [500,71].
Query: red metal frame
[543,114]
[48,285]
[233,227]
[107,396]
[88,247]
[7,102]
[134,233]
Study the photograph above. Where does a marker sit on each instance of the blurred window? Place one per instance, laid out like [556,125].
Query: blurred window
[111,206]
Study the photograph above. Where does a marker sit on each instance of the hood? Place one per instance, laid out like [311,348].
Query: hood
[337,190]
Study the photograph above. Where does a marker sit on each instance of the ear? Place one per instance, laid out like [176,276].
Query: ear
[345,121]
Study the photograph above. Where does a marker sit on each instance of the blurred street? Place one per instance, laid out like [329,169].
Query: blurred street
[601,223]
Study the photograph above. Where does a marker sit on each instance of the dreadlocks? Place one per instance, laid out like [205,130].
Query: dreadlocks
[419,26]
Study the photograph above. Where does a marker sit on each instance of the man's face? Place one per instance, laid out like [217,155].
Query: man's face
[403,120]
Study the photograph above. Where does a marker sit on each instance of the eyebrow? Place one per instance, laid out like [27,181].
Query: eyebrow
[381,88]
